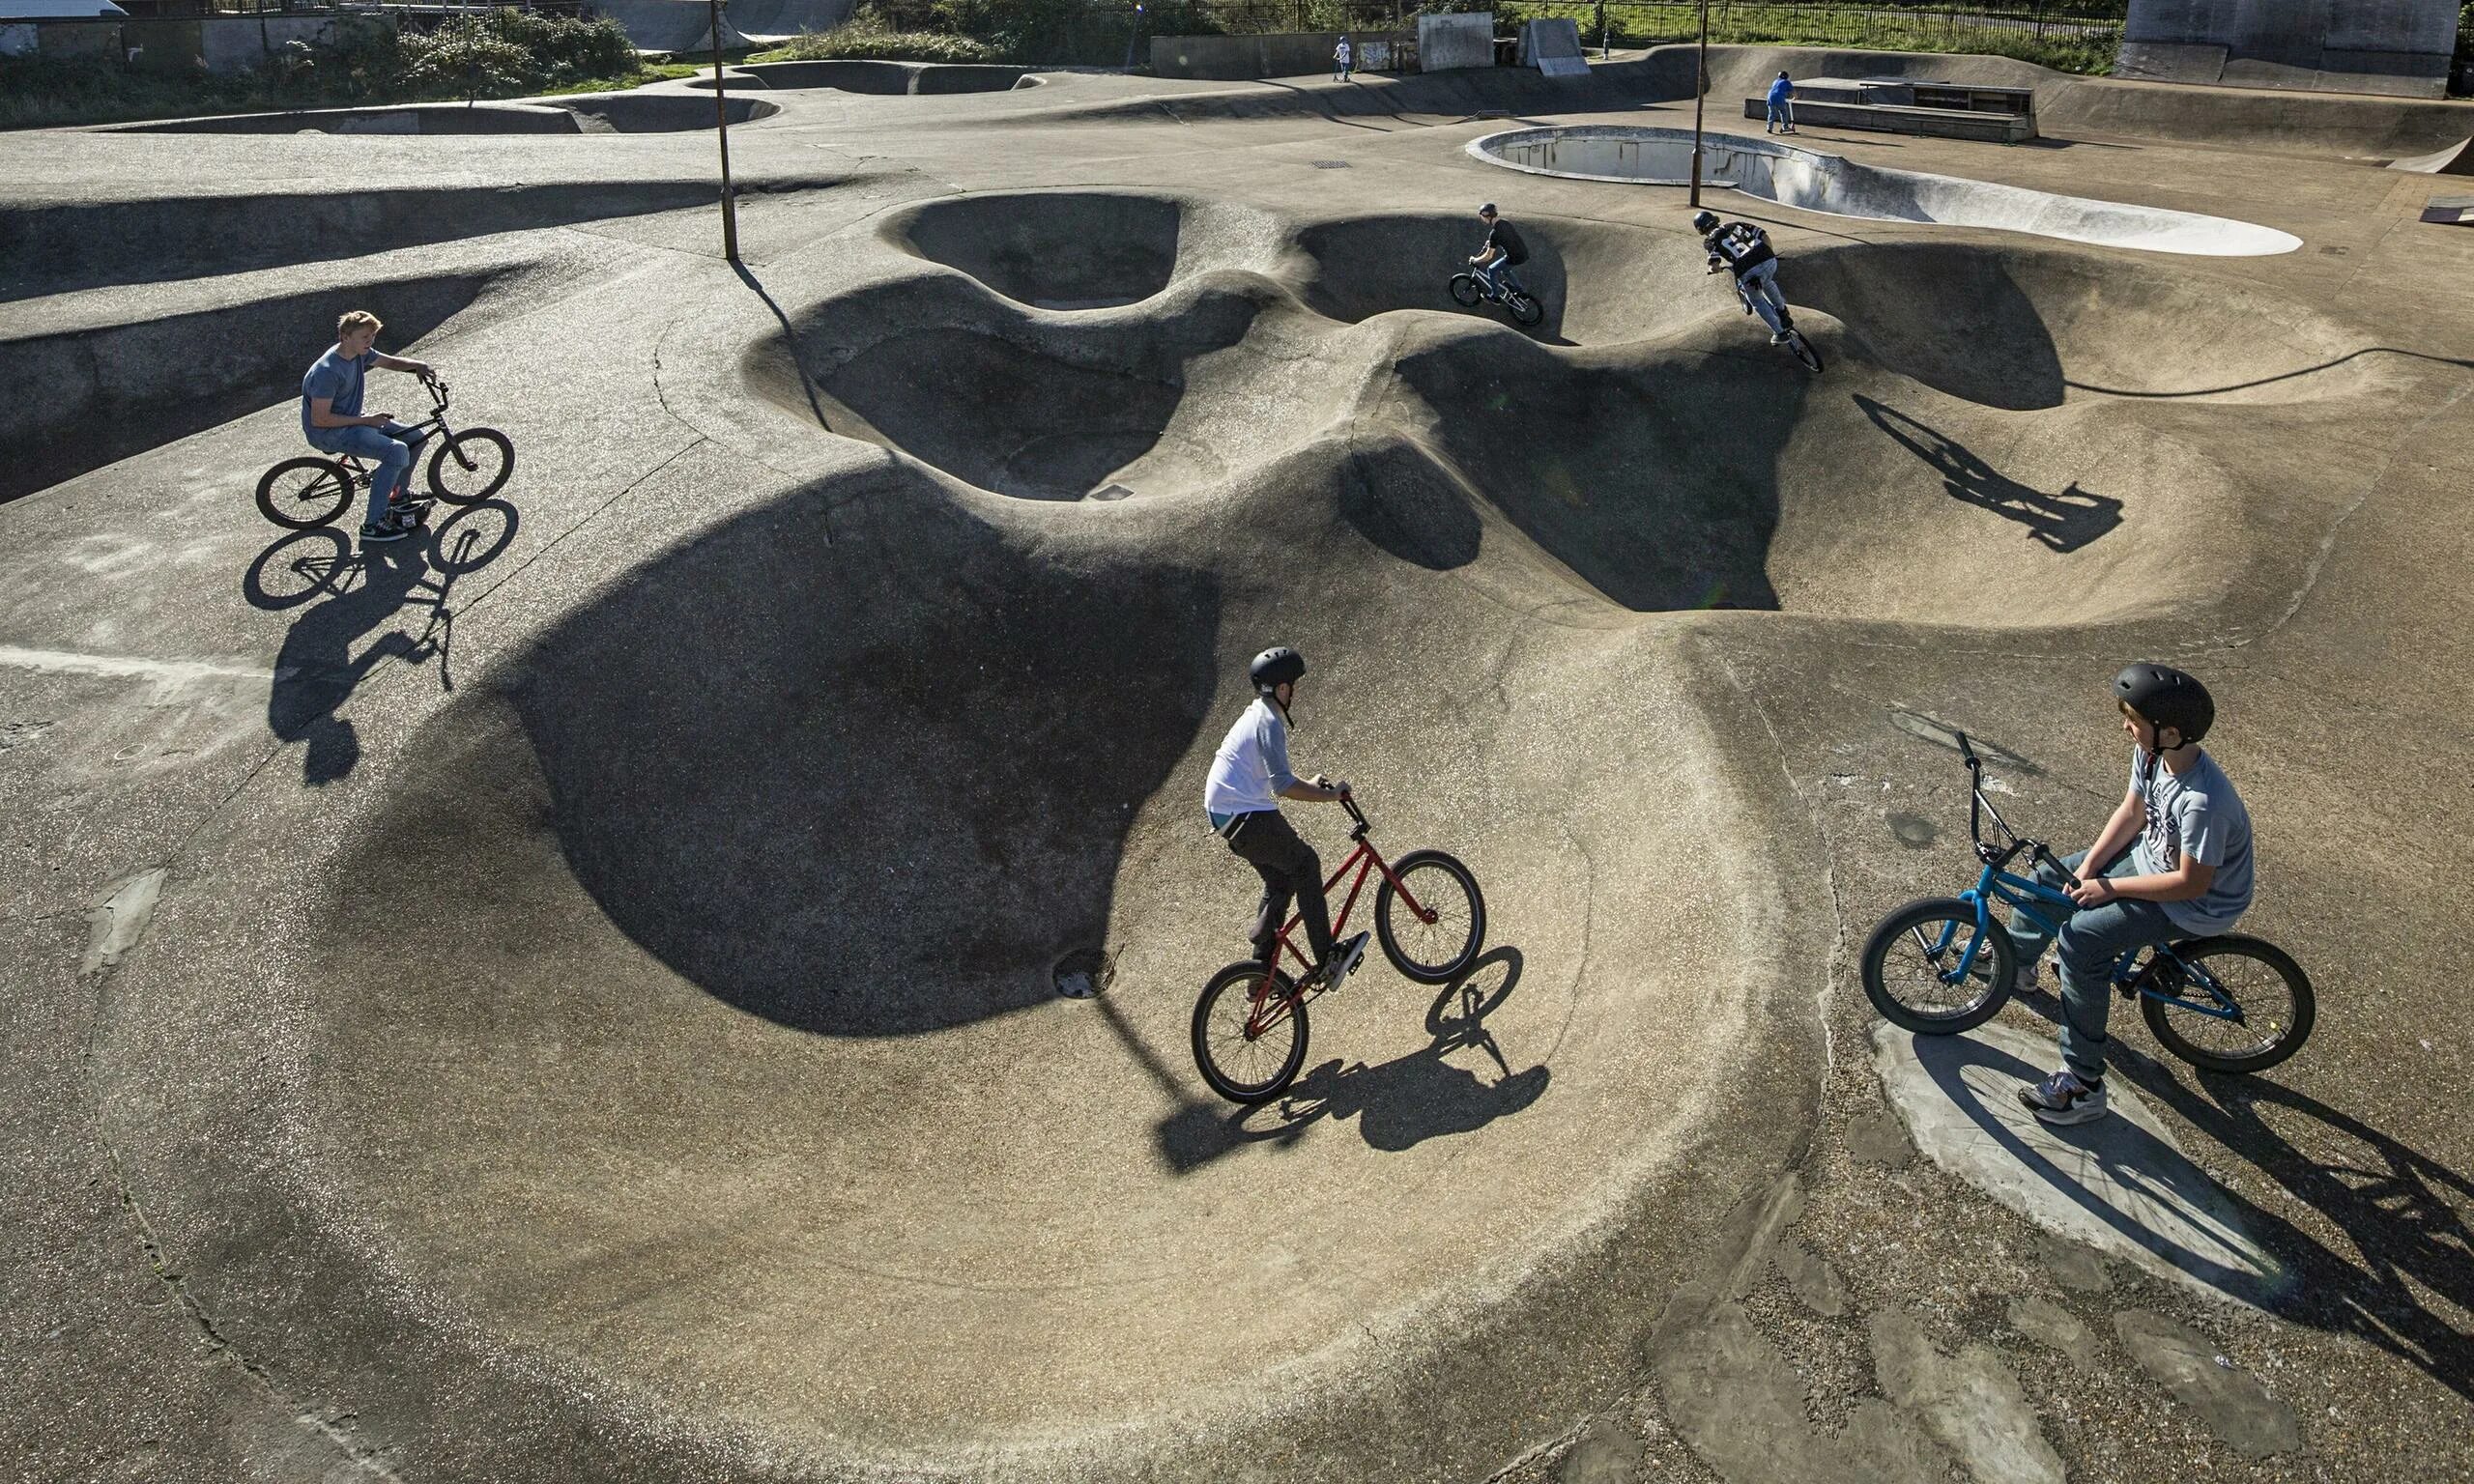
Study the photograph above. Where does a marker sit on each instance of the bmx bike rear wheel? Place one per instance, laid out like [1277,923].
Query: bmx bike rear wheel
[1247,1058]
[2261,979]
[304,492]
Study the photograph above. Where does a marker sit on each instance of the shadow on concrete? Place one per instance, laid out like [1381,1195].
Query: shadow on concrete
[2128,1182]
[2064,521]
[861,762]
[318,670]
[2402,1212]
[1399,1104]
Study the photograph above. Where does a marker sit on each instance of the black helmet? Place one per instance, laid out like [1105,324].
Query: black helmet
[1782,71]
[1487,209]
[2167,697]
[1705,222]
[1277,667]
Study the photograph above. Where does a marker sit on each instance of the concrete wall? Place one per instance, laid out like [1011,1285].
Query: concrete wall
[2392,46]
[1227,58]
[1463,39]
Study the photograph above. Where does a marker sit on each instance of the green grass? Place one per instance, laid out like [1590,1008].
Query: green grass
[867,36]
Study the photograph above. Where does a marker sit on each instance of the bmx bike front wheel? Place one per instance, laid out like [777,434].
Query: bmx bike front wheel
[472,465]
[1911,967]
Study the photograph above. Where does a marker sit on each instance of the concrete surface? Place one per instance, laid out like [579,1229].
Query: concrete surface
[1456,41]
[1817,180]
[2120,1184]
[2398,46]
[594,1018]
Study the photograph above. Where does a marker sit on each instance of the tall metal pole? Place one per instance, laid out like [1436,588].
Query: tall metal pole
[1601,30]
[1700,88]
[722,130]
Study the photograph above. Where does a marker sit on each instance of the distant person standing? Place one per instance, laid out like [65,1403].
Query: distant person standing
[1782,113]
[1343,59]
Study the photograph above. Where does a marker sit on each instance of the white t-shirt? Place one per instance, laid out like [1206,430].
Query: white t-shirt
[2195,812]
[1252,766]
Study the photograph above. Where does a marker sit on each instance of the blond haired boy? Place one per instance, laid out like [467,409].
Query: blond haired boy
[331,420]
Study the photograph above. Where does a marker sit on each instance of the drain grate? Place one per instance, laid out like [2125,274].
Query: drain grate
[1331,164]
[1084,972]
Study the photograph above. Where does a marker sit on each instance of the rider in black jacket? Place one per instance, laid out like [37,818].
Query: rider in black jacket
[1502,251]
[1744,249]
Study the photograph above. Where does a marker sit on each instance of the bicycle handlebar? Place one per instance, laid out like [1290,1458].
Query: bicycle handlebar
[1979,806]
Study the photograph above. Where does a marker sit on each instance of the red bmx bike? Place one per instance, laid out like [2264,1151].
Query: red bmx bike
[1250,1025]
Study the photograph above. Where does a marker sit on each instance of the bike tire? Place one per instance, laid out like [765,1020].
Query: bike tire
[1465,920]
[1465,291]
[1524,310]
[1803,349]
[1991,979]
[2302,1012]
[1229,1060]
[470,467]
[305,493]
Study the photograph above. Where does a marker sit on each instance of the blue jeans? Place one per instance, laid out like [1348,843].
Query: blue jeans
[1497,275]
[2092,940]
[1779,113]
[391,450]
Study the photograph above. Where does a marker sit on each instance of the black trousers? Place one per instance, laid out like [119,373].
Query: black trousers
[1291,871]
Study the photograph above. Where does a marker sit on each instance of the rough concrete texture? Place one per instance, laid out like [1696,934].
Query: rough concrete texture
[595,1019]
[2121,1185]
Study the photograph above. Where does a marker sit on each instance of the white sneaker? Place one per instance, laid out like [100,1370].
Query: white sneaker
[2062,1100]
[1343,963]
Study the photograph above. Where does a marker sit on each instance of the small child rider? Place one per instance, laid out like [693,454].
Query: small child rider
[1249,776]
[1782,106]
[1745,248]
[1500,254]
[2174,863]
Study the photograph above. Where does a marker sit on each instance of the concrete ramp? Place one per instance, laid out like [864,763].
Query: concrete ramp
[1812,180]
[1553,48]
[668,25]
[2455,159]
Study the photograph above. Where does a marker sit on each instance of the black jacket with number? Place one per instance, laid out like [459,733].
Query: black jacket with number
[1739,245]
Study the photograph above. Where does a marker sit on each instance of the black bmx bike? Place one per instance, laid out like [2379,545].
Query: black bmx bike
[465,468]
[1471,288]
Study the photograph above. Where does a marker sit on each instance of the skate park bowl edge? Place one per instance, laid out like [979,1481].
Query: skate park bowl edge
[1816,180]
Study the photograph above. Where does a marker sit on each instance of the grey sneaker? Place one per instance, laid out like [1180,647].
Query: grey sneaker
[1343,963]
[1778,338]
[388,530]
[2062,1099]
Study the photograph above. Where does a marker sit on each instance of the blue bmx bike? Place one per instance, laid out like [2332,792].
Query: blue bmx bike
[1943,964]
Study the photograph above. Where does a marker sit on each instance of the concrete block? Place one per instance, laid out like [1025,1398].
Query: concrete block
[1466,38]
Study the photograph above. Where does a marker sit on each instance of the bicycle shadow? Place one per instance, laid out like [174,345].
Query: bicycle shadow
[319,668]
[2064,521]
[2404,1213]
[1397,1104]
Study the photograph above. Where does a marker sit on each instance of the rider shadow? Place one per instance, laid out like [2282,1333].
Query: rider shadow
[2064,521]
[317,669]
[1397,1104]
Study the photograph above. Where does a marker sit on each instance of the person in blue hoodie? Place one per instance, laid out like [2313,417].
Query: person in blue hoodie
[1782,115]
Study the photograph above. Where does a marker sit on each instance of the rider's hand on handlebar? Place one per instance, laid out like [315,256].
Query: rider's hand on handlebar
[2094,893]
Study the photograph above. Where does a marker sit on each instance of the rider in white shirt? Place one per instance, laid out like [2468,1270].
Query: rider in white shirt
[1250,774]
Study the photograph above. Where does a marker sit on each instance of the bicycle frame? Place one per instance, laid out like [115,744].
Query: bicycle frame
[2024,896]
[436,422]
[1364,860]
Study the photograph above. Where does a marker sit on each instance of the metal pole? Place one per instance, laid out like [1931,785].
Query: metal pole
[722,130]
[1601,30]
[1701,87]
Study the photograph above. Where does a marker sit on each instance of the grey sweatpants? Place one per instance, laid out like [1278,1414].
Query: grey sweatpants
[1760,290]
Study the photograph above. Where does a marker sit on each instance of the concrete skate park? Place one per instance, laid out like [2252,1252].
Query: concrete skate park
[576,995]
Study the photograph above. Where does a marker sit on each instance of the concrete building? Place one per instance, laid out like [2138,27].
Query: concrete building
[2395,47]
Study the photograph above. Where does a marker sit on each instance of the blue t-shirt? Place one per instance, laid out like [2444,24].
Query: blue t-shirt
[339,378]
[2195,812]
[1781,91]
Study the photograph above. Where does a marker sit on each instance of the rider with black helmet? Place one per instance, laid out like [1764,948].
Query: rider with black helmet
[1500,254]
[1744,250]
[1250,774]
[2176,863]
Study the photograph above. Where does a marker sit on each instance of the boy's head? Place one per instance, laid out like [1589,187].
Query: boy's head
[1487,212]
[2162,708]
[357,331]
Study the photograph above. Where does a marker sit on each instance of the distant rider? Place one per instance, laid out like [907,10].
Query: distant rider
[1500,254]
[1250,774]
[332,421]
[2174,862]
[1782,112]
[1744,249]
[1343,58]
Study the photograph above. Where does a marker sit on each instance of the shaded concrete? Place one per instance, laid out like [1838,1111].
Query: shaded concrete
[2121,1185]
